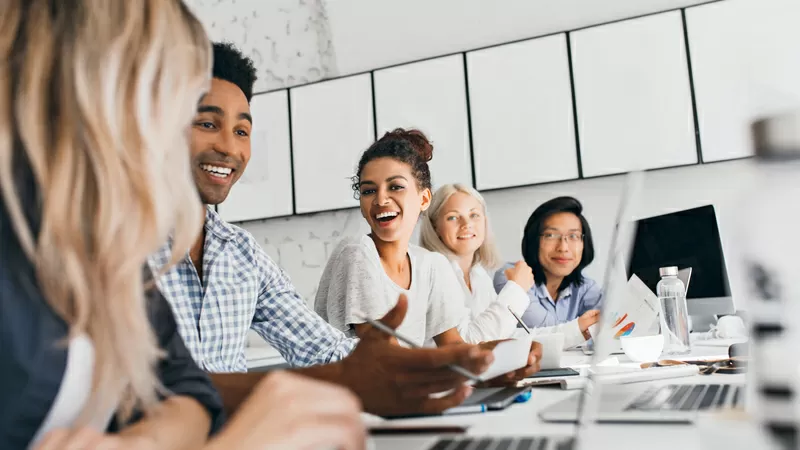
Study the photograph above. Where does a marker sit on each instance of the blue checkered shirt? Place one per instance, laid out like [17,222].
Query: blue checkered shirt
[242,288]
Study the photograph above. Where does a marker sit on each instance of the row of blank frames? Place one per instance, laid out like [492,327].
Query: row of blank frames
[522,118]
[745,65]
[633,95]
[332,125]
[265,187]
[430,96]
[632,92]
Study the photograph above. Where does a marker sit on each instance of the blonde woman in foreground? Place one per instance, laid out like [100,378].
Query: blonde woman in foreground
[95,100]
[456,224]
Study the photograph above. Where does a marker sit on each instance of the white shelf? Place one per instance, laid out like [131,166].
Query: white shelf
[522,119]
[265,188]
[431,97]
[745,66]
[633,95]
[332,125]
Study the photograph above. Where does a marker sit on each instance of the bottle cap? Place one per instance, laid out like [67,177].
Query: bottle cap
[671,271]
[777,137]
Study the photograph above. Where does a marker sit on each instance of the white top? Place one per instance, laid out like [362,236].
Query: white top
[489,316]
[74,392]
[354,282]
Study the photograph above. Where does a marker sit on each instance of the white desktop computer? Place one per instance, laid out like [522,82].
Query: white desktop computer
[686,239]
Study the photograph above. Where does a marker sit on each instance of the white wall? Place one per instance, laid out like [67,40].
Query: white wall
[302,244]
[368,34]
[288,40]
[296,41]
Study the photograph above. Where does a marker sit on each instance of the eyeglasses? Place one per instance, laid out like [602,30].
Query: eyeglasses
[572,238]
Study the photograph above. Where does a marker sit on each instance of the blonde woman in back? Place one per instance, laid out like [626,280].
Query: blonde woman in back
[456,224]
[95,100]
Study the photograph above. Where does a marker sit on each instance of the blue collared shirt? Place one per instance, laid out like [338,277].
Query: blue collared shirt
[572,302]
[242,288]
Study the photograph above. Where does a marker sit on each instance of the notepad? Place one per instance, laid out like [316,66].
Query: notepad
[509,355]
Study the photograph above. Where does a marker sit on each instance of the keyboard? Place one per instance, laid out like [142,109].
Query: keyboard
[649,374]
[504,443]
[688,397]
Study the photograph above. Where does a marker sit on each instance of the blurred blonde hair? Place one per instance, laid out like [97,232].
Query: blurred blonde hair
[96,97]
[486,255]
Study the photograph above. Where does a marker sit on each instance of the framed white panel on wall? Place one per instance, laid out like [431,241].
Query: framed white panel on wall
[745,66]
[430,96]
[633,95]
[332,125]
[523,130]
[265,187]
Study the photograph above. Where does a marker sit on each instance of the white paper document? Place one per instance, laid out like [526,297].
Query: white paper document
[638,313]
[509,355]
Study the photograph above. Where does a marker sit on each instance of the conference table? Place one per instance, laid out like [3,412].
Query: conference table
[727,429]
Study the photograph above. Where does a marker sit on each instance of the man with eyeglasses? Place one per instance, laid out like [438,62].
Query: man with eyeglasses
[557,245]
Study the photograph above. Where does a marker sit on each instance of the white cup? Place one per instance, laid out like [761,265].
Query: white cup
[552,348]
[642,349]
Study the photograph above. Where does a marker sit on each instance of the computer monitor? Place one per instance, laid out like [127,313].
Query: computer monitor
[685,239]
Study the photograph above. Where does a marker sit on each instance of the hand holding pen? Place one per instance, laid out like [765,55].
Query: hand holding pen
[380,326]
[392,380]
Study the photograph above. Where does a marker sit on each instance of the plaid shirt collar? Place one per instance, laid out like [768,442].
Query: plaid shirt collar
[218,227]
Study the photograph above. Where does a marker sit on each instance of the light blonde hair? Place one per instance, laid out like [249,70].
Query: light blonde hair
[95,99]
[486,255]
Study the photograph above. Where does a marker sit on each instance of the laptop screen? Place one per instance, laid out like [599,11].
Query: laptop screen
[614,286]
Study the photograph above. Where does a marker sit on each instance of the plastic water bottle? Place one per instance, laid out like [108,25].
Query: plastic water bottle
[674,315]
[769,245]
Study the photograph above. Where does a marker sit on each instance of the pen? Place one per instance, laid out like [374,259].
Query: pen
[524,327]
[455,368]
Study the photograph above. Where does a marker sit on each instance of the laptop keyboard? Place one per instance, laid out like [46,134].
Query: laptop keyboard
[688,397]
[527,443]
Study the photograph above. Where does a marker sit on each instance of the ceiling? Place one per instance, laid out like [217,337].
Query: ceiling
[368,34]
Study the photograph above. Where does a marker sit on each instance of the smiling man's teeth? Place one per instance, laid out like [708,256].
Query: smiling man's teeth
[386,214]
[216,171]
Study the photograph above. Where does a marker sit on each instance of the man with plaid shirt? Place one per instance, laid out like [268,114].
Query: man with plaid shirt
[227,284]
[214,317]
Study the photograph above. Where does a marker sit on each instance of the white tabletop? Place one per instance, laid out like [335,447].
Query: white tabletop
[262,356]
[522,420]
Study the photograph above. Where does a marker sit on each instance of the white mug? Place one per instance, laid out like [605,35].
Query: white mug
[552,348]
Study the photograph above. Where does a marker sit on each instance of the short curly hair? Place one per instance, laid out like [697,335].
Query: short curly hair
[411,147]
[231,65]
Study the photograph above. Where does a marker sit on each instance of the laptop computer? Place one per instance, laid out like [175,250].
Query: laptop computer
[636,403]
[631,185]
